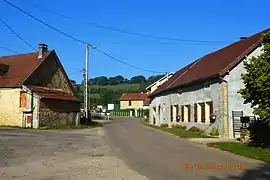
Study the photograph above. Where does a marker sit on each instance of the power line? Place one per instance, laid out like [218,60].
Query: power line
[9,50]
[45,24]
[126,31]
[16,34]
[78,40]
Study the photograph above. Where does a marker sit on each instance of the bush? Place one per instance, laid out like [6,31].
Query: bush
[178,126]
[164,125]
[195,129]
[260,133]
[214,132]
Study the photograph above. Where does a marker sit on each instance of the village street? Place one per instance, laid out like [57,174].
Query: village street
[123,149]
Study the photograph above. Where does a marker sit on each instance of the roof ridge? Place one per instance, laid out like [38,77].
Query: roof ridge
[29,53]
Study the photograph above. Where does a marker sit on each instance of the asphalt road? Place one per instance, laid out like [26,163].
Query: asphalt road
[160,156]
[80,154]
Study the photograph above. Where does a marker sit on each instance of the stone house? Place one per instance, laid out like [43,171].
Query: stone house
[134,101]
[35,91]
[205,93]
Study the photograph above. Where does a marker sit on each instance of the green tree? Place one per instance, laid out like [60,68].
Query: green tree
[257,81]
[137,80]
[113,81]
[102,80]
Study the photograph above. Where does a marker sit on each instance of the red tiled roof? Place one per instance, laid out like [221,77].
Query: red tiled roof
[214,64]
[47,93]
[133,96]
[20,68]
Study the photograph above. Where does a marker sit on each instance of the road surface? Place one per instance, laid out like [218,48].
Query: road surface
[160,156]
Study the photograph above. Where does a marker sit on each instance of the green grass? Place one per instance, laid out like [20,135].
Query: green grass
[181,132]
[81,126]
[244,150]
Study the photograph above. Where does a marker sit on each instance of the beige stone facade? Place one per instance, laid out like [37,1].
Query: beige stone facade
[133,104]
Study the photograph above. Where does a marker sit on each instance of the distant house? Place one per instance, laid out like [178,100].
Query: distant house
[151,88]
[205,92]
[35,91]
[133,101]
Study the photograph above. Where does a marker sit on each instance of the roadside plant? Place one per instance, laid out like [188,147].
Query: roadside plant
[214,132]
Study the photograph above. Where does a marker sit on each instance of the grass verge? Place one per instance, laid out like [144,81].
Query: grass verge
[244,150]
[182,133]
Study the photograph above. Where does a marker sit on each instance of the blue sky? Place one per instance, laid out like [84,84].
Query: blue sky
[222,20]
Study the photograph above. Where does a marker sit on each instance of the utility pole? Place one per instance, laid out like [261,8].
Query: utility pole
[86,81]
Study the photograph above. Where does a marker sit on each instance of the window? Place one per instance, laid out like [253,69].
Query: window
[129,103]
[185,113]
[195,112]
[202,112]
[23,100]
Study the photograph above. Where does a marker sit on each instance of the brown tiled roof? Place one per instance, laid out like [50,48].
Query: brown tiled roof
[147,102]
[214,64]
[20,68]
[133,96]
[47,93]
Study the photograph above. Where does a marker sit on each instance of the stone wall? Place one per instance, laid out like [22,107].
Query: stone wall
[57,112]
[235,83]
[50,117]
[188,96]
[49,74]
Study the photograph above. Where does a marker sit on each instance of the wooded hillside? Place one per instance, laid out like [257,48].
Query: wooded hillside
[104,90]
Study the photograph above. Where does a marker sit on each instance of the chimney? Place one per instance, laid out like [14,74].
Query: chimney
[42,49]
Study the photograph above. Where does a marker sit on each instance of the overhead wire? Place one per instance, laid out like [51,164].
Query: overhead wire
[77,39]
[9,50]
[17,35]
[125,31]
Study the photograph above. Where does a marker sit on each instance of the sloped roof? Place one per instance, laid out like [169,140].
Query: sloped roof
[147,102]
[214,64]
[47,93]
[133,96]
[20,68]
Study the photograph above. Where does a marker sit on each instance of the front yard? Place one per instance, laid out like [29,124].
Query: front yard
[180,132]
[258,153]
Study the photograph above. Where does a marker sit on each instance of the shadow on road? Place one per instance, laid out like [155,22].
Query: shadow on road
[260,173]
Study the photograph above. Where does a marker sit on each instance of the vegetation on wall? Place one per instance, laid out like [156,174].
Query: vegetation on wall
[257,81]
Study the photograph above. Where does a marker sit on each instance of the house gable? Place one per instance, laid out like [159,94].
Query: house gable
[51,74]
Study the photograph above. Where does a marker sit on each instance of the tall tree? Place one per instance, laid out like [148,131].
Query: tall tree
[120,79]
[137,80]
[257,81]
[102,80]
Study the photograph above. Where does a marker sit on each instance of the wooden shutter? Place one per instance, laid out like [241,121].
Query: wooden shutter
[171,113]
[188,113]
[195,113]
[182,113]
[203,112]
[211,108]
